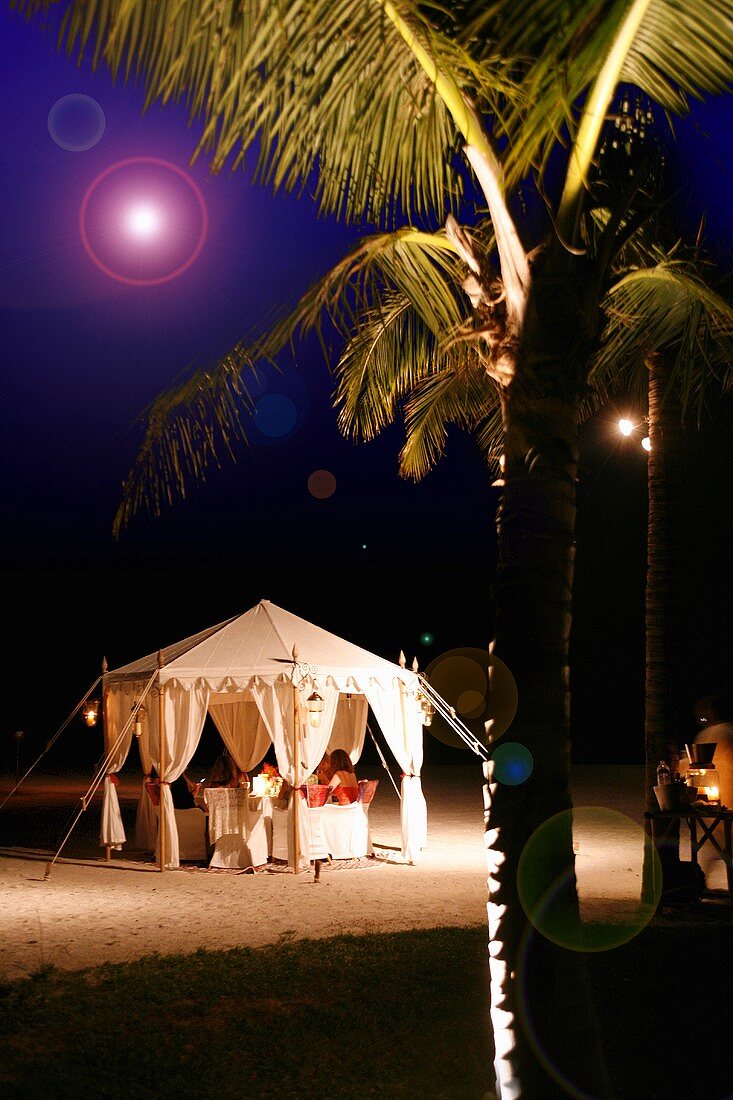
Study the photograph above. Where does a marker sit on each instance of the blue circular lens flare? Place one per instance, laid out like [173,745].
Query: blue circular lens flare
[275,415]
[513,763]
[427,638]
[76,122]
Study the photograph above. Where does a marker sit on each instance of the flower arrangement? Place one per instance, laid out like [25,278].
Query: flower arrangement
[269,781]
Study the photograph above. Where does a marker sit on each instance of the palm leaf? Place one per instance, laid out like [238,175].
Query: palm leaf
[670,308]
[186,430]
[682,49]
[200,422]
[328,91]
[458,392]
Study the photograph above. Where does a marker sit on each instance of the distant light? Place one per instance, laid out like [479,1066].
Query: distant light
[646,443]
[143,221]
[626,427]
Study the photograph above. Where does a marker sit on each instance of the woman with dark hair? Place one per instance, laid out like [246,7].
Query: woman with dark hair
[343,785]
[225,772]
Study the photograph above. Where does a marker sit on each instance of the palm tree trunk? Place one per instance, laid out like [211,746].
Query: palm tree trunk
[663,704]
[544,1026]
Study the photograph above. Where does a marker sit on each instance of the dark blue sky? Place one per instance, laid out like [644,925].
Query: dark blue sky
[84,353]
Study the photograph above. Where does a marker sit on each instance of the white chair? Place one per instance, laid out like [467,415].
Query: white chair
[346,830]
[191,825]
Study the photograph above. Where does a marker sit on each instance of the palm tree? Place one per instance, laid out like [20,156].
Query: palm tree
[377,100]
[668,346]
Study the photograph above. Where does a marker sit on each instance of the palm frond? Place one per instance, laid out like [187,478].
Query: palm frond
[199,422]
[458,392]
[681,50]
[666,308]
[327,90]
[187,429]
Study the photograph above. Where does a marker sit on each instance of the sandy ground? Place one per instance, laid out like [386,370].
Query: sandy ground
[89,912]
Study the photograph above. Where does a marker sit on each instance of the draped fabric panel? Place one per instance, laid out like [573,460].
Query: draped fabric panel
[398,715]
[184,717]
[146,817]
[275,704]
[349,727]
[118,702]
[243,730]
[111,830]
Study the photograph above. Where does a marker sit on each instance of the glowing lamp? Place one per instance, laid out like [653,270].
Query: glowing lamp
[90,713]
[315,708]
[705,777]
[141,713]
[646,443]
[625,426]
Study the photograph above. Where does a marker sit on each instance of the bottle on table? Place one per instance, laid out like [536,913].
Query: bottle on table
[664,775]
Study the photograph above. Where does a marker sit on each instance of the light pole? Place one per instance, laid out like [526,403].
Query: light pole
[19,735]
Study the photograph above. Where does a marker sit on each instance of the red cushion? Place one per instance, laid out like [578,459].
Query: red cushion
[345,795]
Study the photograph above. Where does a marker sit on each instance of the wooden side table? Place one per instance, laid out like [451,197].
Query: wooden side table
[705,820]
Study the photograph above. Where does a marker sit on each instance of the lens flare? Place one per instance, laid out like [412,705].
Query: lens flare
[143,201]
[143,221]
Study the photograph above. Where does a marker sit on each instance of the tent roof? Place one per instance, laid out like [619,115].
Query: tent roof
[260,643]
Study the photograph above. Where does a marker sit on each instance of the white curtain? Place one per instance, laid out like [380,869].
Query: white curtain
[118,700]
[275,703]
[349,727]
[242,730]
[146,818]
[111,831]
[399,718]
[184,716]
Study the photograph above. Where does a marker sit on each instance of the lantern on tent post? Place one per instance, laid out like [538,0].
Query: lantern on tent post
[314,704]
[140,713]
[90,712]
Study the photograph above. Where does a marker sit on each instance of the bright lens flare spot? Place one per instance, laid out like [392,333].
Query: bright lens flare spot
[143,221]
[626,427]
[646,443]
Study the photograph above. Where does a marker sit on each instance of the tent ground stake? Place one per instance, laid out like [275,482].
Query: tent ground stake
[108,853]
[47,873]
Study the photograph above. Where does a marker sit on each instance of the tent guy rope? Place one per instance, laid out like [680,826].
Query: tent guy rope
[102,771]
[52,742]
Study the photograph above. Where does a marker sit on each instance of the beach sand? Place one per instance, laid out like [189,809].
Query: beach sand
[89,911]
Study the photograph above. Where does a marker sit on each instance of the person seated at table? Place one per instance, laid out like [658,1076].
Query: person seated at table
[343,784]
[324,771]
[225,772]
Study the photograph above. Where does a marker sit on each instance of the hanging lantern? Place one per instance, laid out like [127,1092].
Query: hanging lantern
[315,708]
[90,712]
[428,710]
[141,713]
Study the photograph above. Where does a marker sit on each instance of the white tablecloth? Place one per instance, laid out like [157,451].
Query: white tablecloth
[240,827]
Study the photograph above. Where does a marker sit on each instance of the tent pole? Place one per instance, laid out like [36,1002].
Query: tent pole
[105,726]
[296,768]
[161,761]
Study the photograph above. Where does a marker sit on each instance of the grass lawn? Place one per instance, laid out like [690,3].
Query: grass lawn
[402,1015]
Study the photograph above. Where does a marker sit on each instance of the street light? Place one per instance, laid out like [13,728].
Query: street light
[628,427]
[19,735]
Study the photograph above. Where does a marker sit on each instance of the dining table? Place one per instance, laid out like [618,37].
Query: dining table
[240,827]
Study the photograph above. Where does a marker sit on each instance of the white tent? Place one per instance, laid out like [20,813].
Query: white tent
[254,674]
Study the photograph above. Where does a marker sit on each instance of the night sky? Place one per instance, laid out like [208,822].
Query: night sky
[389,564]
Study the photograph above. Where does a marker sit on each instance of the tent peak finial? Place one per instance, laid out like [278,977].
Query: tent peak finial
[161,662]
[403,659]
[295,653]
[105,666]
[415,665]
